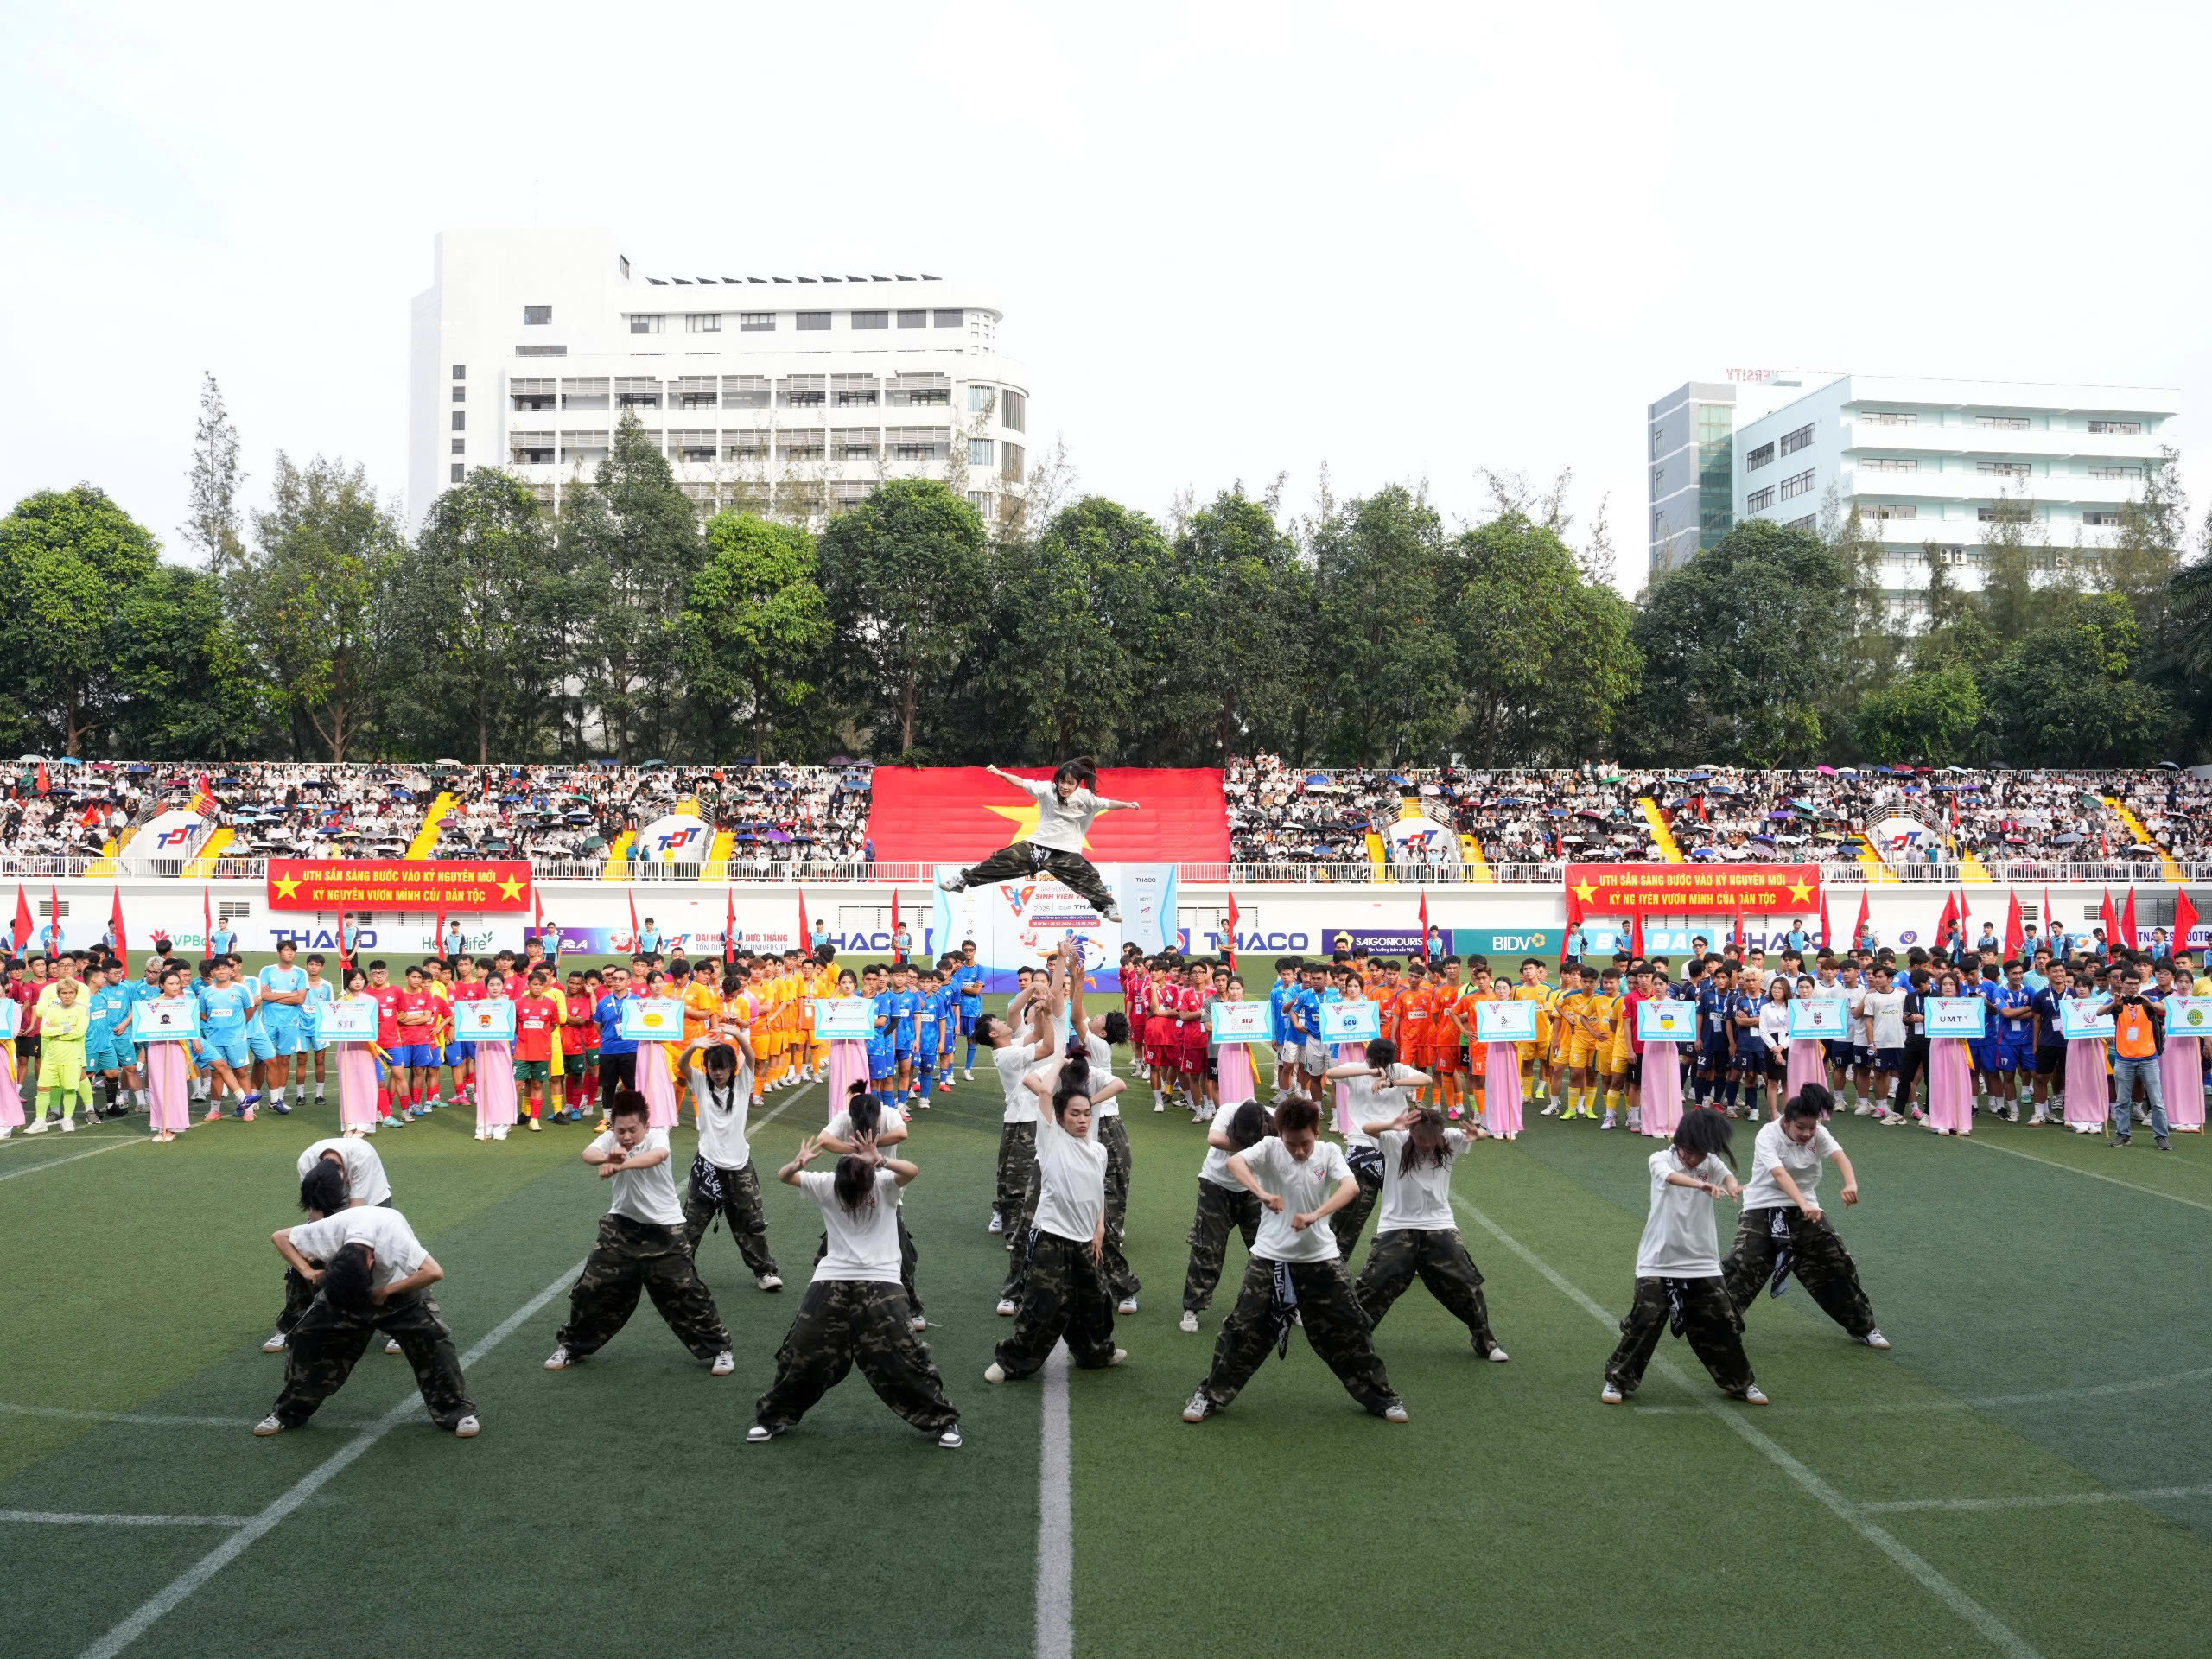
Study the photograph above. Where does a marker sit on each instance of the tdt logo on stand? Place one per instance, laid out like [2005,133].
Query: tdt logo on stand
[677,839]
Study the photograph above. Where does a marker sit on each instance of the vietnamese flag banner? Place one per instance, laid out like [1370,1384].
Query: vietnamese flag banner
[960,814]
[399,884]
[1710,889]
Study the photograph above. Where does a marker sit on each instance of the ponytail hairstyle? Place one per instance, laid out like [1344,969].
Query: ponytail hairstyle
[1813,1102]
[862,1108]
[854,1183]
[1705,1132]
[1082,771]
[345,1278]
[1252,1124]
[1383,1054]
[1115,1028]
[323,1188]
[1415,1154]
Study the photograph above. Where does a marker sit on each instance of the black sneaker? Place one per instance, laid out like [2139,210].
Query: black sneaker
[2119,1140]
[2163,1144]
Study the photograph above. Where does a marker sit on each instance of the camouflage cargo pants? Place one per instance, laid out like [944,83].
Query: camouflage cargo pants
[1114,1135]
[1221,1209]
[329,1339]
[843,1322]
[740,1207]
[1710,1321]
[1064,1293]
[1439,1260]
[1024,859]
[907,1259]
[1017,1199]
[1818,1260]
[1334,1325]
[1346,1222]
[631,1256]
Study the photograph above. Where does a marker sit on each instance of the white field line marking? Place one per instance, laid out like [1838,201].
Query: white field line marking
[1999,1634]
[1979,1402]
[803,1089]
[151,1419]
[55,1163]
[2140,1495]
[2087,1174]
[232,1547]
[49,1518]
[1055,1518]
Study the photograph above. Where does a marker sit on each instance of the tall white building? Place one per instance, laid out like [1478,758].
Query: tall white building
[790,394]
[1936,462]
[1690,435]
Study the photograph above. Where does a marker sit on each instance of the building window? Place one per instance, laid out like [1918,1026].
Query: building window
[803,390]
[1805,523]
[531,394]
[1014,412]
[2114,429]
[2098,517]
[643,322]
[541,351]
[815,319]
[1884,510]
[756,322]
[636,391]
[979,400]
[1793,442]
[1759,457]
[460,420]
[703,323]
[980,452]
[979,499]
[913,319]
[461,371]
[456,470]
[745,391]
[461,446]
[461,394]
[1759,501]
[2002,423]
[2003,468]
[918,443]
[534,314]
[1797,485]
[1889,464]
[2006,513]
[853,390]
[871,319]
[1888,417]
[530,449]
[2134,472]
[691,445]
[1010,458]
[947,318]
[800,446]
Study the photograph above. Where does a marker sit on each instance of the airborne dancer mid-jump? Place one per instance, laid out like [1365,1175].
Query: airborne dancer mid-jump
[1066,807]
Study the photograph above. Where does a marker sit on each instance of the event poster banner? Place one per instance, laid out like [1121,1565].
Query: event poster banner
[1957,1016]
[2189,1016]
[1240,1022]
[843,1019]
[349,1020]
[1816,1018]
[1666,1022]
[165,1020]
[486,1020]
[1511,1021]
[2081,1016]
[1018,924]
[1703,889]
[1350,1022]
[430,884]
[651,1019]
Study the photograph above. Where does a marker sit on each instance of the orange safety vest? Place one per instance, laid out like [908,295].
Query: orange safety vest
[2137,1040]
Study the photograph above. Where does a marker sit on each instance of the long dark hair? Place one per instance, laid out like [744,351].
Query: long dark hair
[854,1183]
[1081,771]
[1415,1155]
[862,1108]
[1813,1101]
[1705,1132]
[1252,1124]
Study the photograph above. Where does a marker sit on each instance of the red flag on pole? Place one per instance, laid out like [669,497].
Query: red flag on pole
[438,939]
[344,956]
[2128,920]
[1424,924]
[805,927]
[1824,920]
[1635,935]
[2110,918]
[730,924]
[633,896]
[2184,922]
[538,909]
[1865,919]
[1234,916]
[1573,921]
[115,926]
[1948,920]
[2050,926]
[24,926]
[2015,938]
[54,913]
[895,923]
[207,923]
[45,783]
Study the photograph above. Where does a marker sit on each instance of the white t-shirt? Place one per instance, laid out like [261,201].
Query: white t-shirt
[1772,1148]
[1061,825]
[365,1176]
[1014,1062]
[865,1246]
[1364,1103]
[722,1118]
[1774,1024]
[1070,1182]
[1420,1202]
[1855,998]
[385,1231]
[1215,1167]
[1302,1187]
[646,1195]
[840,1128]
[1885,1011]
[1102,1071]
[1681,1240]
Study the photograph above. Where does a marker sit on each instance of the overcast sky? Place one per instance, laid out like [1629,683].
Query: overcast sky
[1408,242]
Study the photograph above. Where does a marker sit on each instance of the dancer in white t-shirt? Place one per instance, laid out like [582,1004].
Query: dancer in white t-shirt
[1784,1231]
[1416,1233]
[1066,807]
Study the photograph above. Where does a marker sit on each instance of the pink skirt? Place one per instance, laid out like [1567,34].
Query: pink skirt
[656,1086]
[847,1065]
[169,1090]
[1950,1087]
[1502,1089]
[496,1106]
[1233,1071]
[1662,1090]
[2181,1077]
[1347,1053]
[357,1087]
[1808,1063]
[11,1097]
[2085,1088]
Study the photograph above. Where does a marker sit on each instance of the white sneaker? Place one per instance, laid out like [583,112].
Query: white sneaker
[1551,1110]
[950,1440]
[37,1127]
[1007,1308]
[1121,1355]
[1610,1396]
[759,1435]
[558,1360]
[1862,1110]
[1188,1324]
[391,1344]
[467,1428]
[998,1224]
[725,1363]
[269,1425]
[968,1073]
[768,1281]
[917,1324]
[1751,1396]
[1607,1122]
[1395,1413]
[1198,1409]
[1497,1355]
[953,883]
[483,1135]
[1112,912]
[1636,1123]
[995,1372]
[277,1344]
[1127,1305]
[69,1125]
[1875,1339]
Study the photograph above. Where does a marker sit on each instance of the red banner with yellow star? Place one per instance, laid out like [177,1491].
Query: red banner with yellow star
[398,884]
[960,814]
[1760,889]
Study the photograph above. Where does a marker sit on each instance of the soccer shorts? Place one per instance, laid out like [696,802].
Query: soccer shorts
[460,1053]
[1580,1054]
[1890,1060]
[1313,1060]
[287,1037]
[1712,1056]
[2013,1056]
[260,1044]
[231,1051]
[881,1065]
[967,1018]
[423,1056]
[1754,1057]
[1448,1058]
[533,1071]
[2050,1060]
[1634,1069]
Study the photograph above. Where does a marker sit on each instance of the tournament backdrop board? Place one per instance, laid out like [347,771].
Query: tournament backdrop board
[1019,924]
[1350,1022]
[843,1019]
[1512,1021]
[165,1020]
[348,1019]
[1816,1018]
[2087,1019]
[1957,1016]
[2189,1016]
[1241,1022]
[651,1019]
[486,1020]
[1666,1022]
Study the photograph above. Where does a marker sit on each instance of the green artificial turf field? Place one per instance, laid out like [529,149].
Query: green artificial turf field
[2028,1471]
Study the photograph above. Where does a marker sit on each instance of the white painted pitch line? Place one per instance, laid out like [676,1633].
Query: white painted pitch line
[1999,1633]
[1979,1402]
[72,1414]
[52,1518]
[181,1587]
[804,1090]
[55,1163]
[2086,1174]
[1055,1517]
[2051,1500]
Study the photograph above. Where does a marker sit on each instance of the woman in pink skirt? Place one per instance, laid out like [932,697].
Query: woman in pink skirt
[1348,989]
[655,1076]
[497,1108]
[1808,1055]
[2181,1064]
[1950,1075]
[11,1097]
[848,1056]
[1502,1080]
[358,1075]
[168,1075]
[2088,1077]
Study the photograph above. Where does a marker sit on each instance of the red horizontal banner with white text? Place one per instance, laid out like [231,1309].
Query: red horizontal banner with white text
[1623,889]
[497,884]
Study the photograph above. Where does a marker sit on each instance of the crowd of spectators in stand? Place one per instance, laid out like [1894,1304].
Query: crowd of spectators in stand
[2175,807]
